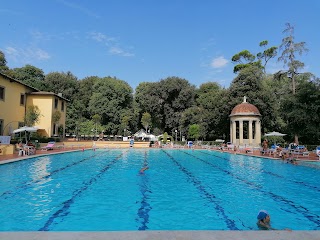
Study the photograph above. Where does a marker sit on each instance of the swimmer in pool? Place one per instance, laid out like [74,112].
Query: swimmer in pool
[143,169]
[264,220]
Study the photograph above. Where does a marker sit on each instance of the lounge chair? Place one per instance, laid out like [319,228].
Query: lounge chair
[49,146]
[301,151]
[248,150]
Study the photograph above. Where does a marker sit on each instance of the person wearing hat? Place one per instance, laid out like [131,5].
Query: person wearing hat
[264,220]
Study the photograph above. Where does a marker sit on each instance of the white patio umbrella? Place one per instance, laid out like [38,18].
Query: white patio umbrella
[152,137]
[141,134]
[274,134]
[25,129]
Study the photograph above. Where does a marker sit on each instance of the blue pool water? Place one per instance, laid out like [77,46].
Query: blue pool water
[182,190]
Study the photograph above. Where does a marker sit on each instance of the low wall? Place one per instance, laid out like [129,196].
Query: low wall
[6,149]
[10,148]
[120,144]
[98,144]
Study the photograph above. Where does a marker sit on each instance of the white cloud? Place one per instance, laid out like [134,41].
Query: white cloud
[40,54]
[100,37]
[79,8]
[10,51]
[26,55]
[219,62]
[120,52]
[112,44]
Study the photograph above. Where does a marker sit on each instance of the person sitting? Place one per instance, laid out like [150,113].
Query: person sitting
[264,220]
[21,149]
[30,148]
[279,150]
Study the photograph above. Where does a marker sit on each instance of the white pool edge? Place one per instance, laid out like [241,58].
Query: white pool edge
[168,235]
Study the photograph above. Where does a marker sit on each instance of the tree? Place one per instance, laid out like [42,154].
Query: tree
[289,49]
[212,99]
[249,82]
[165,101]
[124,126]
[194,131]
[83,95]
[195,115]
[3,63]
[111,98]
[56,116]
[267,54]
[148,99]
[78,106]
[31,76]
[302,111]
[146,120]
[96,119]
[65,83]
[244,59]
[32,116]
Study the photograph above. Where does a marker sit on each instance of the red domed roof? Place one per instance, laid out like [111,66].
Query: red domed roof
[245,109]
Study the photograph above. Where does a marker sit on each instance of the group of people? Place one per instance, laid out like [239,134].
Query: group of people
[26,149]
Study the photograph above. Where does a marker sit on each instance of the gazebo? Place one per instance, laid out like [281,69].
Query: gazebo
[245,126]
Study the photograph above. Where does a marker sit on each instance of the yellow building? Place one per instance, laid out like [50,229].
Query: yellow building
[16,97]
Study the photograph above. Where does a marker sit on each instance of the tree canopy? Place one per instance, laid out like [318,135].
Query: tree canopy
[287,100]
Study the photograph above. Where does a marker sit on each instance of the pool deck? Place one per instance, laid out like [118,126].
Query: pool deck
[80,147]
[167,235]
[157,235]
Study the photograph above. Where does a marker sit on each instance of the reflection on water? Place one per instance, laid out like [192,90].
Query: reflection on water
[39,196]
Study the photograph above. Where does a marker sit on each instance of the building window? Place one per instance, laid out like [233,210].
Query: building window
[2,93]
[54,129]
[56,103]
[62,106]
[22,98]
[1,127]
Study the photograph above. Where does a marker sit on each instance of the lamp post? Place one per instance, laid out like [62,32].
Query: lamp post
[176,134]
[7,126]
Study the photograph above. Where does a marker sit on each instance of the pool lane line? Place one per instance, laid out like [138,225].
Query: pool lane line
[143,211]
[63,211]
[27,184]
[209,196]
[304,211]
[271,173]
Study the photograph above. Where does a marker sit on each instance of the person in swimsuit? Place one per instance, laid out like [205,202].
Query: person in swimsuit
[143,169]
[264,220]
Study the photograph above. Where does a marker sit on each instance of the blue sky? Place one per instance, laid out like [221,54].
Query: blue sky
[148,40]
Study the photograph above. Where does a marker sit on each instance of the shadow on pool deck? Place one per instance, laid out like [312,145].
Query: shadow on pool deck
[167,235]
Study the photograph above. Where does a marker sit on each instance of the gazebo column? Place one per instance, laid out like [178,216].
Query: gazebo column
[234,132]
[231,140]
[241,132]
[258,133]
[250,132]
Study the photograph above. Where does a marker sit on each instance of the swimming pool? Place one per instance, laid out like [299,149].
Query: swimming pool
[182,190]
